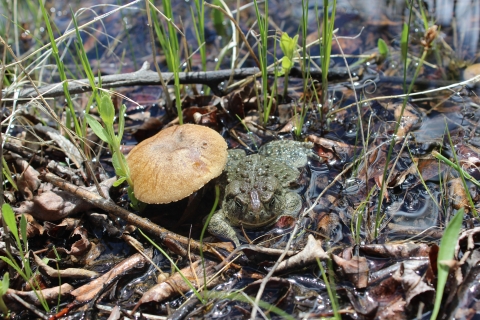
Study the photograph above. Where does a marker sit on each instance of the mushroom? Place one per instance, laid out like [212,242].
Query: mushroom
[176,162]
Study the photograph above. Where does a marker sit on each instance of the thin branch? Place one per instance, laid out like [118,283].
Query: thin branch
[109,206]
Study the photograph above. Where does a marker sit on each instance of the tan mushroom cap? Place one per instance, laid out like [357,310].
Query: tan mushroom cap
[176,162]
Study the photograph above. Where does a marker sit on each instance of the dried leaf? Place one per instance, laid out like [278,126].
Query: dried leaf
[355,270]
[175,284]
[50,294]
[313,250]
[28,181]
[396,250]
[89,291]
[79,247]
[76,273]
[57,204]
[413,284]
[68,148]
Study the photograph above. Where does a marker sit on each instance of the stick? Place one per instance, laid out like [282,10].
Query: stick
[109,206]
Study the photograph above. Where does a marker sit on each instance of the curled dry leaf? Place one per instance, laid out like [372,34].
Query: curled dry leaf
[89,257]
[313,250]
[411,117]
[102,221]
[27,181]
[76,273]
[355,270]
[413,284]
[115,314]
[463,301]
[65,172]
[53,205]
[385,273]
[56,204]
[68,148]
[471,72]
[457,194]
[396,250]
[89,291]
[330,149]
[50,294]
[33,227]
[394,310]
[175,284]
[80,246]
[362,304]
[58,230]
[471,236]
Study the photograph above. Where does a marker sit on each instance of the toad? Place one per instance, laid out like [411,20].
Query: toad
[258,190]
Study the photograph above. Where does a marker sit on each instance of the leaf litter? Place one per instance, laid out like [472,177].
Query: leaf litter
[383,259]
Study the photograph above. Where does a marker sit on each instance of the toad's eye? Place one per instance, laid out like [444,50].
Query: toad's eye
[238,204]
[272,202]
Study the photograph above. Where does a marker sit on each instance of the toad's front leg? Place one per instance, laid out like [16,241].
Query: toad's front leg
[293,204]
[220,227]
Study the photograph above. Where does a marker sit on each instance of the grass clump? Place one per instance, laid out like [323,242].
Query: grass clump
[24,269]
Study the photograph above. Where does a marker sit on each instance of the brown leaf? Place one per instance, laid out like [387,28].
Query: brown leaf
[90,290]
[355,270]
[329,149]
[396,250]
[50,294]
[57,204]
[58,230]
[76,273]
[68,147]
[411,117]
[33,227]
[313,250]
[470,236]
[28,181]
[175,285]
[457,194]
[413,284]
[394,310]
[53,205]
[80,246]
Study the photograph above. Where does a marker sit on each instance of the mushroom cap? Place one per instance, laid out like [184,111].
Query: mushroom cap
[176,162]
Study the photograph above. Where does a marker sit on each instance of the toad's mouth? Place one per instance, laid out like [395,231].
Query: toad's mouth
[249,225]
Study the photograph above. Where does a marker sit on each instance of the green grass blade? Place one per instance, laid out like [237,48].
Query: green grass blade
[9,217]
[404,42]
[446,252]
[61,69]
[382,47]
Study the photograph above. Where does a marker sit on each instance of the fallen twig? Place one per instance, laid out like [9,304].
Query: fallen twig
[109,206]
[144,76]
